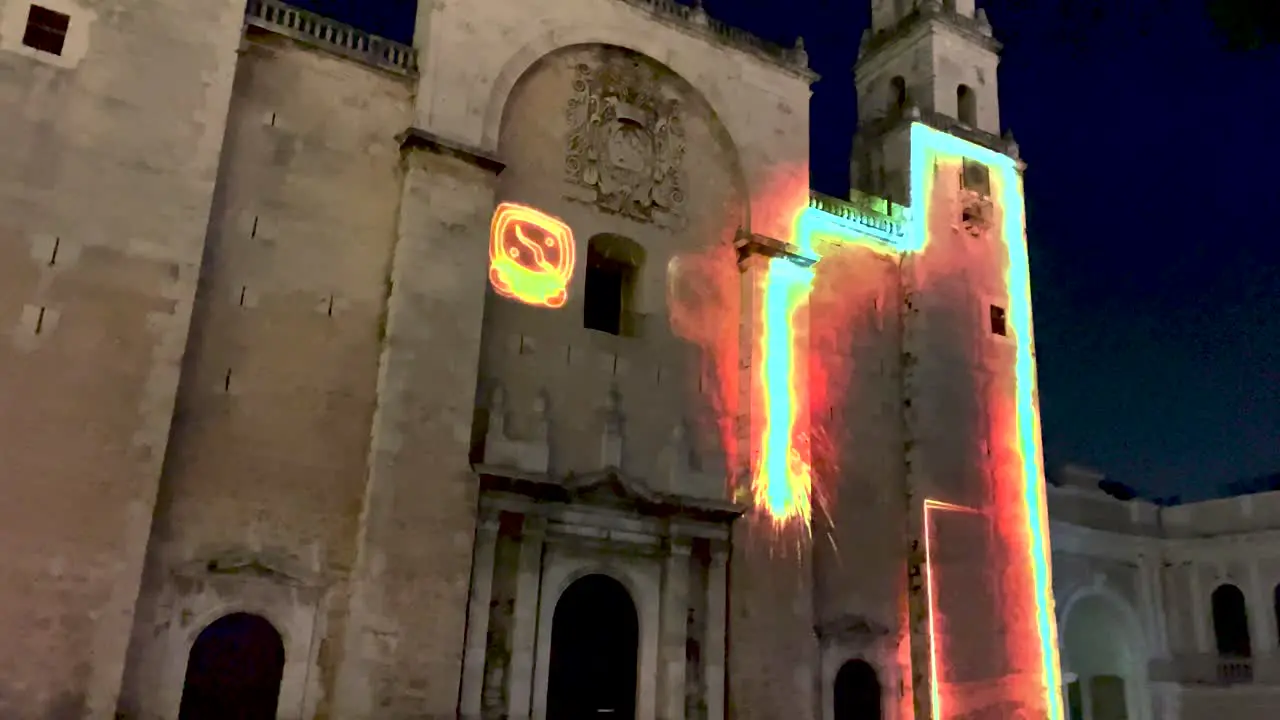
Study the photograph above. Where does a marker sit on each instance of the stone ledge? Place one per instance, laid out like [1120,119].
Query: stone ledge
[414,138]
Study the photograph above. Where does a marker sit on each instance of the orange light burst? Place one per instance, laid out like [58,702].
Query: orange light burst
[782,478]
[531,255]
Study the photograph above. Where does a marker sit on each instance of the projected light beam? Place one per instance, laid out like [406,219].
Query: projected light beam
[783,476]
[931,147]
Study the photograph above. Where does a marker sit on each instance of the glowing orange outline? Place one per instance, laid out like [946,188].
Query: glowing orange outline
[547,283]
[935,693]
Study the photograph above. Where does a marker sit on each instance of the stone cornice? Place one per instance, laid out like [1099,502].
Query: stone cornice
[694,20]
[607,487]
[1081,540]
[921,22]
[749,243]
[414,138]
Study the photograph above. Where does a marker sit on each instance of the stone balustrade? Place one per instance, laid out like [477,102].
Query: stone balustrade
[331,35]
[1216,670]
[351,42]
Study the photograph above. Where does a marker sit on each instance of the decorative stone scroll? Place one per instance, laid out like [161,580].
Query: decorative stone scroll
[626,142]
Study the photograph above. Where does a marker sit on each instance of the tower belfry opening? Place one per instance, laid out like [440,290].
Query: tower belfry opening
[928,60]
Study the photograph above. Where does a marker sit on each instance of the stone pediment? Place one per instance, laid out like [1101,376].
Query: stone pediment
[608,487]
[852,629]
[250,566]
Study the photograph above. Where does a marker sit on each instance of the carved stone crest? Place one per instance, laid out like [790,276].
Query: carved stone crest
[626,142]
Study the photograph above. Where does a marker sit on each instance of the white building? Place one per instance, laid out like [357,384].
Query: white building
[1166,612]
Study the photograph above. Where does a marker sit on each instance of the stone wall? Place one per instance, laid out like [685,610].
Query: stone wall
[266,467]
[108,158]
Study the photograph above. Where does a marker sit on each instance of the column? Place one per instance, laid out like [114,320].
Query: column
[1199,614]
[1162,618]
[524,633]
[713,646]
[1086,697]
[1147,591]
[1260,615]
[478,619]
[675,624]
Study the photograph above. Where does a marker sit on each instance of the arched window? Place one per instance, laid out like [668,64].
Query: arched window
[857,692]
[613,270]
[234,671]
[966,105]
[1231,622]
[897,93]
[595,645]
[1275,603]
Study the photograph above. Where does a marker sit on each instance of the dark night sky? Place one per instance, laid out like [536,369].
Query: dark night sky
[1156,271]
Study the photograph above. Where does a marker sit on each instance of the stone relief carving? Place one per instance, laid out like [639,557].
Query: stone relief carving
[612,435]
[626,142]
[530,454]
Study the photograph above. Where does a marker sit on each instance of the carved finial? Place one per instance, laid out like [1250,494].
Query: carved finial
[983,22]
[699,14]
[1011,146]
[798,53]
[931,7]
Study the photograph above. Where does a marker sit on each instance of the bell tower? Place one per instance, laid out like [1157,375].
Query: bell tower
[928,60]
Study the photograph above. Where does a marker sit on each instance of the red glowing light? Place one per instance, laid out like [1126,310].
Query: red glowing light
[935,658]
[531,256]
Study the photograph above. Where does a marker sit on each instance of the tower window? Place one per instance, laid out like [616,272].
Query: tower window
[999,321]
[897,93]
[975,177]
[46,30]
[613,267]
[966,105]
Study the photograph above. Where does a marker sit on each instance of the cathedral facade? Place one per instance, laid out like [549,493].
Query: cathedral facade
[516,373]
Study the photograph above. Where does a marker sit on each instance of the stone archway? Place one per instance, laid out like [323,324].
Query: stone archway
[595,642]
[1104,659]
[234,671]
[857,693]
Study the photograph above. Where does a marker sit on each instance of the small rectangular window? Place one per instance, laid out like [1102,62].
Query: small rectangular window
[46,30]
[999,321]
[975,177]
[606,284]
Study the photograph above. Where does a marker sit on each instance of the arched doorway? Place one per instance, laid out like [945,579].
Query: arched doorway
[234,671]
[595,641]
[857,692]
[1104,659]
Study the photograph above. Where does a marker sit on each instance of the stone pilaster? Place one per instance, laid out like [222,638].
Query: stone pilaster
[473,663]
[773,649]
[404,648]
[524,633]
[671,649]
[714,644]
